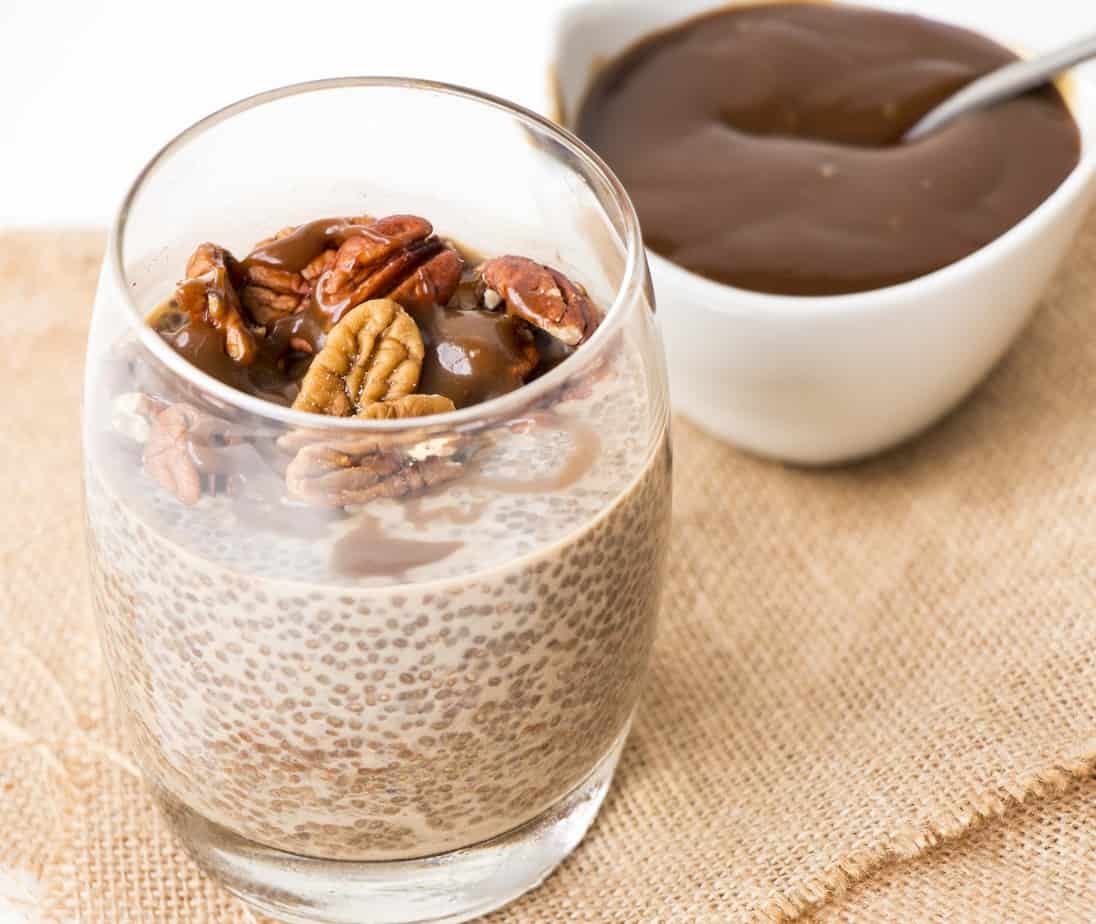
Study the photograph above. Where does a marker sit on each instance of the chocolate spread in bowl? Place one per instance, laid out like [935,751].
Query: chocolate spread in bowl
[761,146]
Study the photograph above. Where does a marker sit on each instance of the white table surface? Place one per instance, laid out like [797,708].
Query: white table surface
[89,89]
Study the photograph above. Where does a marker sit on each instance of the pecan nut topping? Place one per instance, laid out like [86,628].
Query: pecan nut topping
[273,287]
[191,452]
[167,455]
[396,253]
[374,353]
[359,469]
[380,240]
[209,295]
[408,406]
[541,295]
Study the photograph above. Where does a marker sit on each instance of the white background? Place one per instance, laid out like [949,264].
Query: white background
[89,89]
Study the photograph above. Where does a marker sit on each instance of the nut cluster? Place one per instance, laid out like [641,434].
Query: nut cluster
[344,297]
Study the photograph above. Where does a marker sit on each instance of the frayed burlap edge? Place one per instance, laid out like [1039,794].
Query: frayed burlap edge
[949,823]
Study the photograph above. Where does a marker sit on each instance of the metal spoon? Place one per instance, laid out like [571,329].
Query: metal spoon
[1003,83]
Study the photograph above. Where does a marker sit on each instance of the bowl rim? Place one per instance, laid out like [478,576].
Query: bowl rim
[1078,92]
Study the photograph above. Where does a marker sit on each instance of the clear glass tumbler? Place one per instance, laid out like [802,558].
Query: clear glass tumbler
[408,709]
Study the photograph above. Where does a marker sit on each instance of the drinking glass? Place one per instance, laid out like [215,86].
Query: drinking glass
[408,708]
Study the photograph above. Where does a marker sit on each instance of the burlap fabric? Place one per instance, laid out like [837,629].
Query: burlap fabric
[872,697]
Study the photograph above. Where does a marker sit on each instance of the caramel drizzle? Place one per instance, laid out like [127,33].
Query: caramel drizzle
[579,462]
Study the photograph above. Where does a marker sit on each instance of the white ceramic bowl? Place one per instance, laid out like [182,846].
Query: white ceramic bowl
[825,379]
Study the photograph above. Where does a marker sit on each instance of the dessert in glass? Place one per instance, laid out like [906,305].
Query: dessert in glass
[378,489]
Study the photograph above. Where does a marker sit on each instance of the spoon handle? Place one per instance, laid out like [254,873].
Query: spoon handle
[1003,83]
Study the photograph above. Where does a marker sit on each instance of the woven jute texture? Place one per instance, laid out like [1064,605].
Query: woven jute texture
[872,697]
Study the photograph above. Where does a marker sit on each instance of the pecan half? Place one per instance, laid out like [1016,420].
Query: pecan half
[390,255]
[379,241]
[433,283]
[409,406]
[541,295]
[374,353]
[359,469]
[209,295]
[319,265]
[167,455]
[191,452]
[270,293]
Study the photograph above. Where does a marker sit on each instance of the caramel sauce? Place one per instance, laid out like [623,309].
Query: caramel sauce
[274,375]
[295,251]
[471,354]
[761,146]
[367,551]
[587,447]
[416,513]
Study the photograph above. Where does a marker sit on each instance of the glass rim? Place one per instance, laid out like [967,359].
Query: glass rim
[517,401]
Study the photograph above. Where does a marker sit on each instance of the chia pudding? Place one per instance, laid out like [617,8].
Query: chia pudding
[387,642]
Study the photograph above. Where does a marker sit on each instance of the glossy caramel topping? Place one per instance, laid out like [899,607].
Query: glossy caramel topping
[294,251]
[761,147]
[272,376]
[473,356]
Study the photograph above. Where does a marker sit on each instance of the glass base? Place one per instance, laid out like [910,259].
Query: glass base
[444,889]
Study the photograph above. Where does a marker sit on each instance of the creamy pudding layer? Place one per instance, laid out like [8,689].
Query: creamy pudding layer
[372,723]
